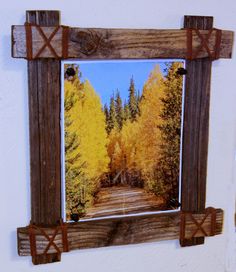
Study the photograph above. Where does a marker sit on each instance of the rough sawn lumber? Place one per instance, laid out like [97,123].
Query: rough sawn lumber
[95,43]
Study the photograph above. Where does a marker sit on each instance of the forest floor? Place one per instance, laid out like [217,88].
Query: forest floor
[121,200]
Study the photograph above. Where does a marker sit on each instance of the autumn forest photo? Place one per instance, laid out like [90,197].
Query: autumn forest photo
[122,137]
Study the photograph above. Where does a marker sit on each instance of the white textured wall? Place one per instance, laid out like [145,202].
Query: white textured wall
[218,253]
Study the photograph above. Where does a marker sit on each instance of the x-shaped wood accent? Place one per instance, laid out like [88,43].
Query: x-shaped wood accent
[47,41]
[199,225]
[32,234]
[204,43]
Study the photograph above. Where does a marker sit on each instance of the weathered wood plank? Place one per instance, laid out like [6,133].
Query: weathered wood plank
[44,114]
[196,124]
[111,232]
[95,43]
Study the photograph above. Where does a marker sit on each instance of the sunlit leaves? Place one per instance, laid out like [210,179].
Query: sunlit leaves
[85,142]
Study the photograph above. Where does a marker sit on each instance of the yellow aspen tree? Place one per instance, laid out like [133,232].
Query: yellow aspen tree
[88,123]
[148,122]
[114,150]
[129,141]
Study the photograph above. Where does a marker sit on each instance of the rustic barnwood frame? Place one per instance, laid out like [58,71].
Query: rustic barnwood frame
[43,42]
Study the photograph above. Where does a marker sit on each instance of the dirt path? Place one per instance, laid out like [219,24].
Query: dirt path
[120,200]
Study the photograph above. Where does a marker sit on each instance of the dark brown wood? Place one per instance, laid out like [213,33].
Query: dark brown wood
[95,43]
[44,114]
[196,125]
[117,231]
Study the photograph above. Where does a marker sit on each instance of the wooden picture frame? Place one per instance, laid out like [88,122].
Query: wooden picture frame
[43,42]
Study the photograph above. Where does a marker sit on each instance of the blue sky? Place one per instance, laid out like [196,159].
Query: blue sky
[108,76]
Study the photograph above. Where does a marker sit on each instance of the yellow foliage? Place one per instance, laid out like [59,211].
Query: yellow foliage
[132,150]
[129,139]
[148,122]
[136,146]
[88,122]
[122,147]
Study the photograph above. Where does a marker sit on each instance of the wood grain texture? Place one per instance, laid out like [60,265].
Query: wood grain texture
[95,43]
[196,125]
[44,113]
[112,232]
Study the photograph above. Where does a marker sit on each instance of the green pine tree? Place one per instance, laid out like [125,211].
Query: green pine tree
[127,115]
[138,99]
[112,122]
[119,110]
[106,112]
[73,174]
[168,164]
[133,103]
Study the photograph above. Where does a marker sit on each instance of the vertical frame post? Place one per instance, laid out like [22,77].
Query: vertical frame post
[196,126]
[45,144]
